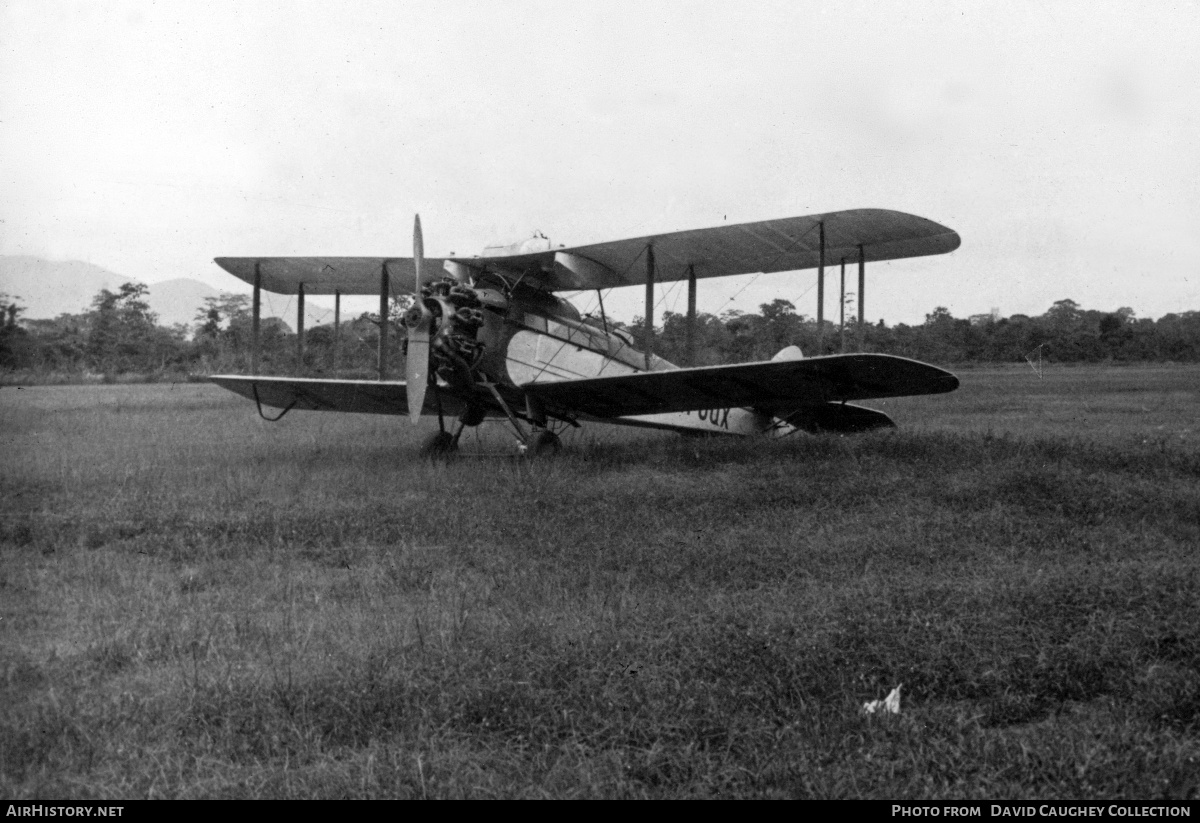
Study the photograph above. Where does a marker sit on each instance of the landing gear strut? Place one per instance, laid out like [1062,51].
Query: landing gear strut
[443,444]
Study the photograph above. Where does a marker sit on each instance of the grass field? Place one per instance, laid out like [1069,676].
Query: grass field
[196,603]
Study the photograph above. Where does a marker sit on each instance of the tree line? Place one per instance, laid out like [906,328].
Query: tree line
[1066,333]
[120,338]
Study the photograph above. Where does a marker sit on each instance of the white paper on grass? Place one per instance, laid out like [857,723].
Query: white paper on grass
[889,705]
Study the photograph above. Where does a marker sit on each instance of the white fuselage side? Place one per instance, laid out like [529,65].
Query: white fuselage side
[571,351]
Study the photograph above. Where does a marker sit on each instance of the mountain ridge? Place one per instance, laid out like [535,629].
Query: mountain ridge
[47,288]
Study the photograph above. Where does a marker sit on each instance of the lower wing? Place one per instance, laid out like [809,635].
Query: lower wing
[798,391]
[781,388]
[366,396]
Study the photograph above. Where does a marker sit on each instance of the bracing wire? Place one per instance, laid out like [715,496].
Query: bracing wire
[739,291]
[770,263]
[1037,367]
[674,287]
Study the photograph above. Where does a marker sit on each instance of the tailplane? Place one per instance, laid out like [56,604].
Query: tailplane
[840,418]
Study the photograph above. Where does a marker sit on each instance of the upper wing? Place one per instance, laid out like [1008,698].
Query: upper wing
[774,245]
[368,396]
[326,275]
[778,387]
[788,244]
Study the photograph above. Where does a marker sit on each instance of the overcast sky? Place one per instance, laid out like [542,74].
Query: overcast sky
[1060,139]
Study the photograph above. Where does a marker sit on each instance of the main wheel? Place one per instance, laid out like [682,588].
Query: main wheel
[473,416]
[440,446]
[545,444]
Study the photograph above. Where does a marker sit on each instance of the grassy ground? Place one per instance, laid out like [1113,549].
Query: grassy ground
[197,603]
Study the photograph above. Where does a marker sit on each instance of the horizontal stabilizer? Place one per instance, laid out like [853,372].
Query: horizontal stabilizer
[842,418]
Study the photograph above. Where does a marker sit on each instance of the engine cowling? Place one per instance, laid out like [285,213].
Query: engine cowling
[455,349]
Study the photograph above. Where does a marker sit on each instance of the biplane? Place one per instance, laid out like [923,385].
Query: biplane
[488,336]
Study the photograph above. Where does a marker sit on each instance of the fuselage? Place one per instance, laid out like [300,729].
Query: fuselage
[530,336]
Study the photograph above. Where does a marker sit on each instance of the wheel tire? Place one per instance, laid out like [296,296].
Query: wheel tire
[473,416]
[545,444]
[439,447]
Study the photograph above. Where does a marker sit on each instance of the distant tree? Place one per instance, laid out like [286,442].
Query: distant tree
[780,327]
[210,323]
[1114,332]
[57,345]
[10,310]
[710,339]
[1066,333]
[637,330]
[1064,313]
[942,337]
[122,329]
[225,315]
[940,316]
[1178,336]
[222,332]
[743,332]
[359,343]
[124,336]
[14,340]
